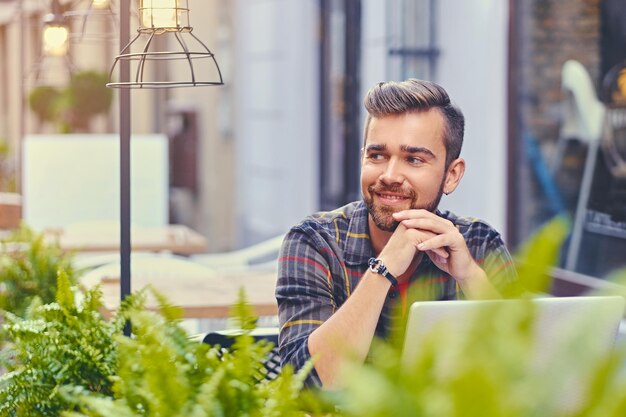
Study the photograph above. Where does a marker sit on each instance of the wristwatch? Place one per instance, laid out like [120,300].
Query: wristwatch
[376,265]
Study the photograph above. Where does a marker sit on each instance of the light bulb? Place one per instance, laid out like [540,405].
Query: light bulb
[621,82]
[159,13]
[100,4]
[55,40]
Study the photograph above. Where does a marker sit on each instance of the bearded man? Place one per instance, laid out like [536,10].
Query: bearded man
[341,273]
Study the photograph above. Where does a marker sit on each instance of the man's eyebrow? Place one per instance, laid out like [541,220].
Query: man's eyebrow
[375,147]
[417,149]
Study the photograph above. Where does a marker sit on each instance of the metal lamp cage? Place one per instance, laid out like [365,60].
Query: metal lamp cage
[93,20]
[53,68]
[168,18]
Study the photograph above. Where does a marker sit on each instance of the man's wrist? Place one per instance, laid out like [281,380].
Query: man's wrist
[473,273]
[476,285]
[377,266]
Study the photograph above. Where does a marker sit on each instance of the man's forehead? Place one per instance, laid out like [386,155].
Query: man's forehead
[407,130]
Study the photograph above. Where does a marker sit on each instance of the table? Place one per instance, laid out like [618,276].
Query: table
[200,291]
[106,238]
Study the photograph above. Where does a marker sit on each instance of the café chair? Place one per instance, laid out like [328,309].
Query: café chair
[226,338]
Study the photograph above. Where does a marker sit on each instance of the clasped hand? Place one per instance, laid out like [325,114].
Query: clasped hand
[421,230]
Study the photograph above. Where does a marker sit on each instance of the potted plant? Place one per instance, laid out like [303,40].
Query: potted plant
[74,106]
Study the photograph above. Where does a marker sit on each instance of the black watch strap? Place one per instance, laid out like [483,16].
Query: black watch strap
[376,265]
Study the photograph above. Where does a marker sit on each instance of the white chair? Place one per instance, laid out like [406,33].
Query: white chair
[260,255]
[583,119]
[582,111]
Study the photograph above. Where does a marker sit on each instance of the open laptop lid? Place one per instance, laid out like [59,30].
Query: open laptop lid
[564,337]
[557,321]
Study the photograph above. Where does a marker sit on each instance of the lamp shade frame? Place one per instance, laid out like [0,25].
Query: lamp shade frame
[81,16]
[184,55]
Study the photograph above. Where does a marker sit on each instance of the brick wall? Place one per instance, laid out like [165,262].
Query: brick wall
[554,31]
[549,32]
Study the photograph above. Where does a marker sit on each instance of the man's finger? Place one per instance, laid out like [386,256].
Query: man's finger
[435,257]
[435,244]
[428,224]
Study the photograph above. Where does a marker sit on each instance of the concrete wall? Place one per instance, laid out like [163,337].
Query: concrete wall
[276,107]
[473,69]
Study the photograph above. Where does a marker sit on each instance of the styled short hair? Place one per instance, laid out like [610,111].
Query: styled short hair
[391,98]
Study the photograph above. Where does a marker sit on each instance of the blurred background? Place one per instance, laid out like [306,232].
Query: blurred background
[540,82]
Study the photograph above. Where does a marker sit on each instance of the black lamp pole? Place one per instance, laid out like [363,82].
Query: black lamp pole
[178,28]
[125,247]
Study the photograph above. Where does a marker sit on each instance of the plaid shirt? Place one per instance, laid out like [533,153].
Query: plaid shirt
[323,258]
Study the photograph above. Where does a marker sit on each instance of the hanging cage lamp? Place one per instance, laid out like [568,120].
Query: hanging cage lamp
[53,67]
[92,20]
[168,19]
[55,34]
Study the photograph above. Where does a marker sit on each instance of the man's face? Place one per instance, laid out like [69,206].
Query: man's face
[403,165]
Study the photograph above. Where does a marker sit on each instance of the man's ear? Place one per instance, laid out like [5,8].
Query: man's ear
[453,175]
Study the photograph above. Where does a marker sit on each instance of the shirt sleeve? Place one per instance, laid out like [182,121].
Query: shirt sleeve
[500,268]
[304,296]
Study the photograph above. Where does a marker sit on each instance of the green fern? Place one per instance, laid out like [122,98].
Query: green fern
[30,273]
[68,361]
[57,344]
[163,372]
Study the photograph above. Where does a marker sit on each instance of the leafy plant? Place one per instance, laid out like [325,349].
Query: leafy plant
[69,361]
[488,372]
[30,270]
[72,107]
[42,101]
[162,372]
[7,170]
[89,94]
[57,344]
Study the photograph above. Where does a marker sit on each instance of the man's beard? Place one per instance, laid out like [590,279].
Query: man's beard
[382,215]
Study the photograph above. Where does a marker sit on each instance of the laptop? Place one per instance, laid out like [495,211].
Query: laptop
[564,335]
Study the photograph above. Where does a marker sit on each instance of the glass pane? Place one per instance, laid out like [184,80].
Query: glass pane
[410,39]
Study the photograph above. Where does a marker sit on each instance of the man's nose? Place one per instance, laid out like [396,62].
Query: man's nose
[392,173]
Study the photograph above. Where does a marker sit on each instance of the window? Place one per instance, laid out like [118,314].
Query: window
[411,35]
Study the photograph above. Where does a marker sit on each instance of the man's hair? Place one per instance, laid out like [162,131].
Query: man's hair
[412,95]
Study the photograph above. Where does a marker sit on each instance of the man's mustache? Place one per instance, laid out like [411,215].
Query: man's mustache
[395,189]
